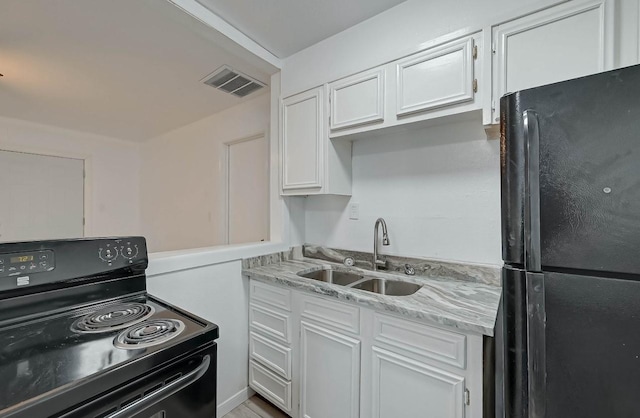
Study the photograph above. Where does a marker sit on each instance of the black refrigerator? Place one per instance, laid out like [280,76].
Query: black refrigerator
[568,334]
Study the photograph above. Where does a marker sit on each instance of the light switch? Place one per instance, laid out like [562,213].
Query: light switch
[354,211]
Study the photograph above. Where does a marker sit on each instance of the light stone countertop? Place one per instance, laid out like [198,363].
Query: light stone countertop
[466,305]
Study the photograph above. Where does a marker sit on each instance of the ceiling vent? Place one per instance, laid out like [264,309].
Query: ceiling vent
[232,81]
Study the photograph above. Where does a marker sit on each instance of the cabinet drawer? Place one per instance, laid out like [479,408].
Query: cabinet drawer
[334,314]
[270,295]
[270,322]
[271,354]
[423,340]
[271,386]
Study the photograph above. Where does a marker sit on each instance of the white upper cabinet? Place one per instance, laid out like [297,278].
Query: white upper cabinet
[311,163]
[302,136]
[563,42]
[438,81]
[357,100]
[438,77]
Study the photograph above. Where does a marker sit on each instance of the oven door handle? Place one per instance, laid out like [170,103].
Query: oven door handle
[164,392]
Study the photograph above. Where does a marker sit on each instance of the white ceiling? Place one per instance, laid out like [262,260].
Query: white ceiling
[121,68]
[285,27]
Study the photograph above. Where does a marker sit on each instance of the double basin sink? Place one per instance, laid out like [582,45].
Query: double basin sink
[356,280]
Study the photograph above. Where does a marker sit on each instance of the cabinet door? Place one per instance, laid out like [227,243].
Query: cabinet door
[440,76]
[303,139]
[357,100]
[567,41]
[329,374]
[405,388]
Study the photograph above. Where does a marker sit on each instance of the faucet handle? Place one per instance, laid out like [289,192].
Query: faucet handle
[409,270]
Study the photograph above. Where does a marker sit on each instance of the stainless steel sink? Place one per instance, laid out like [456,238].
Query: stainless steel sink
[359,281]
[342,278]
[387,287]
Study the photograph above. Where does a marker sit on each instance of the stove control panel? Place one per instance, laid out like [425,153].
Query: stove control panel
[14,264]
[120,251]
[24,266]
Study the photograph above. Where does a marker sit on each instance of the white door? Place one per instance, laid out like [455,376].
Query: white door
[41,197]
[405,388]
[438,77]
[563,42]
[329,375]
[358,99]
[302,140]
[248,191]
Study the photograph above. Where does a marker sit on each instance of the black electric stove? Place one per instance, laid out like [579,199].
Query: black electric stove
[80,337]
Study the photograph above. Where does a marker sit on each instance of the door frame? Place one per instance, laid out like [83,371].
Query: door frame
[87,181]
[227,166]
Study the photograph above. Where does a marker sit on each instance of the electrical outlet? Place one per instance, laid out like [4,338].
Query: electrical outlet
[354,211]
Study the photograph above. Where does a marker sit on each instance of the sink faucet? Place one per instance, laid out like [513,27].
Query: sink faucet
[385,241]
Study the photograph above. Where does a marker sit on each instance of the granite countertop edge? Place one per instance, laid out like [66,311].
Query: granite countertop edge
[463,305]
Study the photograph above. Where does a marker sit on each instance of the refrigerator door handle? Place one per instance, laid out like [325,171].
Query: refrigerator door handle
[536,344]
[533,261]
[536,314]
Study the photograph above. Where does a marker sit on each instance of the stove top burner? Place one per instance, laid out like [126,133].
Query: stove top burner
[113,318]
[149,333]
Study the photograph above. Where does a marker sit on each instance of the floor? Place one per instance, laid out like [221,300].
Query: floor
[256,407]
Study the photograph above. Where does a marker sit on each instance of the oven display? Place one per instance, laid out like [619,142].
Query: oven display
[21,259]
[19,264]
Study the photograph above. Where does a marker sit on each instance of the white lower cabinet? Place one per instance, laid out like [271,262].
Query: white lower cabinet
[405,388]
[344,361]
[329,373]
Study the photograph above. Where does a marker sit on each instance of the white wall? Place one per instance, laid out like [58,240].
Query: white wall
[220,294]
[112,204]
[183,177]
[438,188]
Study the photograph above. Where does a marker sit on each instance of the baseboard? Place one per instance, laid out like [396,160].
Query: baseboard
[230,404]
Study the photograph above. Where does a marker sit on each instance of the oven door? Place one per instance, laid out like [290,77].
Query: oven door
[183,389]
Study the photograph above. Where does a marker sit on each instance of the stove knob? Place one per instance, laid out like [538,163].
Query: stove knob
[130,251]
[108,254]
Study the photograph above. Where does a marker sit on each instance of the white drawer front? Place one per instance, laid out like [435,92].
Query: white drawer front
[271,354]
[336,315]
[434,343]
[271,322]
[271,295]
[271,386]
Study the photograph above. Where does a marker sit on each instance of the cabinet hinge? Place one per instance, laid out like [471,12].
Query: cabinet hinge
[467,397]
[493,105]
[475,85]
[475,52]
[493,48]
